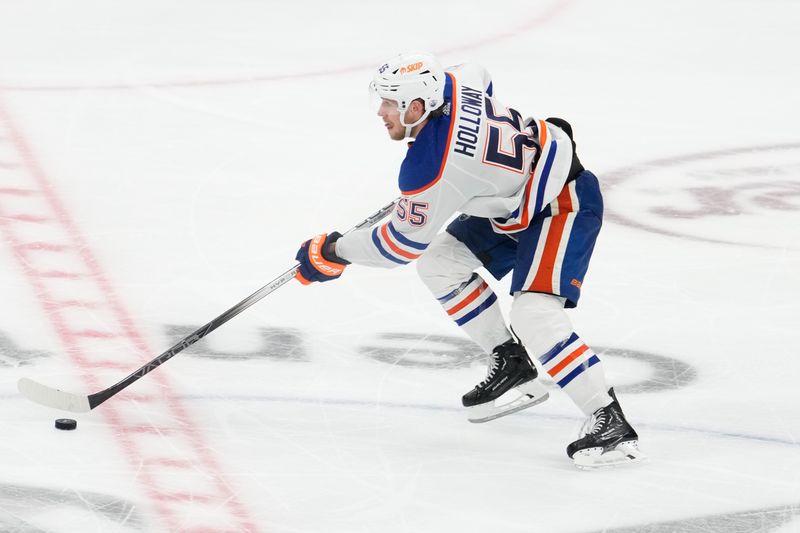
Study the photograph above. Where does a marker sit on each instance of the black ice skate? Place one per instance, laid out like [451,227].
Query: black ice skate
[607,439]
[510,385]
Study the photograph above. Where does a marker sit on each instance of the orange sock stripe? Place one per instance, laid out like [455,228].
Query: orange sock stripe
[466,301]
[567,360]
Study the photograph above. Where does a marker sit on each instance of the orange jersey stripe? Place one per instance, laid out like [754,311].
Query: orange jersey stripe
[524,218]
[453,108]
[542,133]
[466,301]
[396,249]
[567,360]
[523,221]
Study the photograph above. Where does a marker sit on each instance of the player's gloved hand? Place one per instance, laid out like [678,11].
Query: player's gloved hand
[318,262]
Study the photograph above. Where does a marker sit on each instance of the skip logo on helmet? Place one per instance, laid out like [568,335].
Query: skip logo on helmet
[411,68]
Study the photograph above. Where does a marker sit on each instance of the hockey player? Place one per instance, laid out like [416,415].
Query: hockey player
[527,207]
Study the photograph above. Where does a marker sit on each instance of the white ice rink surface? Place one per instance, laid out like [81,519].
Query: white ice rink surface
[161,160]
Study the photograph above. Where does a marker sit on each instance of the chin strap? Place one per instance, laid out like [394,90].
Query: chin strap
[409,127]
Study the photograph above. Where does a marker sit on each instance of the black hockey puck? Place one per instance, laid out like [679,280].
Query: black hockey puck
[66,423]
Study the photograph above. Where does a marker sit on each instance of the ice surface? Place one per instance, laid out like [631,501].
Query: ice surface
[159,161]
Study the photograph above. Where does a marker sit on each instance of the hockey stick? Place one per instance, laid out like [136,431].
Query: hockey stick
[77,403]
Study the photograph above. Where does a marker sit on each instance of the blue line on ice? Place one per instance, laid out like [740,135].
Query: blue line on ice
[428,407]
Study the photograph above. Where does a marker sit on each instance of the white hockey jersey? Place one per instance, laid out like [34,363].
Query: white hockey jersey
[481,159]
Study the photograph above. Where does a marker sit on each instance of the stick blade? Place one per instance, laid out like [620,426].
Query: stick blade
[55,398]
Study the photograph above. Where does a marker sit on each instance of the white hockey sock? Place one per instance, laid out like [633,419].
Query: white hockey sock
[579,372]
[544,328]
[448,269]
[473,306]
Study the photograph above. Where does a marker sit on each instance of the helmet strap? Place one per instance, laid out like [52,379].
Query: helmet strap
[409,127]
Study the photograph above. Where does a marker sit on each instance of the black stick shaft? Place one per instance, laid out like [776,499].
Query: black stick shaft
[99,397]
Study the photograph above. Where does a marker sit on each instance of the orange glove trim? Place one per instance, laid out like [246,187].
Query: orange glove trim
[299,277]
[320,263]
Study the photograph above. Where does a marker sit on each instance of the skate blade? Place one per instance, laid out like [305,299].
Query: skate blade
[519,398]
[625,453]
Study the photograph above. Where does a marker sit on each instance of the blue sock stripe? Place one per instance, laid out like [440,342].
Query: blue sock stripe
[455,292]
[557,349]
[478,310]
[578,370]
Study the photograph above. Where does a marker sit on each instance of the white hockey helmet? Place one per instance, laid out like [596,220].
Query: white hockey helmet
[409,76]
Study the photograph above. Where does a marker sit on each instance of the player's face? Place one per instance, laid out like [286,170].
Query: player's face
[389,112]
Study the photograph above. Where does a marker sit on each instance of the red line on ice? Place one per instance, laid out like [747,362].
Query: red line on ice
[550,12]
[63,217]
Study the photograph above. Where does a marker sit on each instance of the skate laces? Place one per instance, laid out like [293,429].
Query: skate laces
[492,369]
[595,423]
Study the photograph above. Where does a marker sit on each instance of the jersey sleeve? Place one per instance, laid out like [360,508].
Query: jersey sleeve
[427,202]
[416,220]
